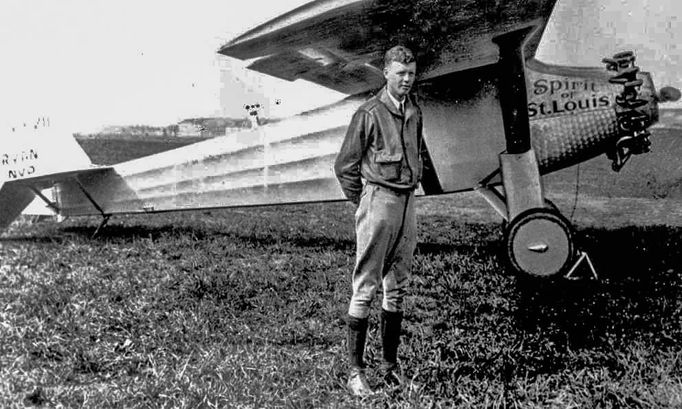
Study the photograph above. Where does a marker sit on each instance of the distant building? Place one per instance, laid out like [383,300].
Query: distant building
[116,130]
[189,127]
[132,130]
[210,127]
[230,129]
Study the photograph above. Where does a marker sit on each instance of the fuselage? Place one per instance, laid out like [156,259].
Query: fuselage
[572,114]
[571,110]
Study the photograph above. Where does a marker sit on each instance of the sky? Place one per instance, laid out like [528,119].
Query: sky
[582,32]
[87,64]
[92,63]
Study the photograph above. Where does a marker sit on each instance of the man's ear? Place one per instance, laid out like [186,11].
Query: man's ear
[385,72]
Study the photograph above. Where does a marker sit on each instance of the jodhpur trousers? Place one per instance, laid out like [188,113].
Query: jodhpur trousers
[386,234]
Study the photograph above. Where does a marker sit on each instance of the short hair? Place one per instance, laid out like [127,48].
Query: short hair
[399,54]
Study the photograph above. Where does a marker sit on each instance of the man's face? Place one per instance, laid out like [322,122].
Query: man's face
[400,78]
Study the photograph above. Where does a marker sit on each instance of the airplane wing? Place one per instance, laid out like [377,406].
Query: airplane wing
[339,44]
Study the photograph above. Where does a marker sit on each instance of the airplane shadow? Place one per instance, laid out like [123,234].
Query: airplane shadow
[428,249]
[135,232]
[59,235]
[635,299]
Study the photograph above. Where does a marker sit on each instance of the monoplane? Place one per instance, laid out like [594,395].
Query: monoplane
[495,120]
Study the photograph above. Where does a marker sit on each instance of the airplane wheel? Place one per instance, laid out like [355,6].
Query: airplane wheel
[548,204]
[539,243]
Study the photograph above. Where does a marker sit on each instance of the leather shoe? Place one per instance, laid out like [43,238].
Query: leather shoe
[357,383]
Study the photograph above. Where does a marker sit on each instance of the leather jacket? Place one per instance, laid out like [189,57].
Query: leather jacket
[381,146]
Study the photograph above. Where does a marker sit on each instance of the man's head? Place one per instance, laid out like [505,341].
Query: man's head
[400,69]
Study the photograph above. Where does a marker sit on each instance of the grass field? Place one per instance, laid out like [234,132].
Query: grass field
[244,308]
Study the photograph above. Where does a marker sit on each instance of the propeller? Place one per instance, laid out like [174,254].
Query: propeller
[632,122]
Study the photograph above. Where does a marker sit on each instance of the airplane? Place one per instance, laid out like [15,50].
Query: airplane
[495,120]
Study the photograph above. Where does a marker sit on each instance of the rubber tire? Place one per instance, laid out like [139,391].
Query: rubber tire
[548,204]
[563,247]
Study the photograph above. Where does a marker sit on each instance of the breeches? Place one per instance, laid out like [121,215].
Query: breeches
[386,234]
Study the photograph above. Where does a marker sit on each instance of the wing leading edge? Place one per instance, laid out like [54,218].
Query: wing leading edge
[339,43]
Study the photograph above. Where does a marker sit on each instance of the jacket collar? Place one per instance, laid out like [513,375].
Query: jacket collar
[386,99]
[398,104]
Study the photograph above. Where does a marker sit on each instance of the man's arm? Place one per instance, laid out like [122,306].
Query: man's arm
[347,165]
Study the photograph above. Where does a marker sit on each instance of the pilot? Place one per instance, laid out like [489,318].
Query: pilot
[379,167]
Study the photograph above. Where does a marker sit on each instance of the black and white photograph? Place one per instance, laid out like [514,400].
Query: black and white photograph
[341,204]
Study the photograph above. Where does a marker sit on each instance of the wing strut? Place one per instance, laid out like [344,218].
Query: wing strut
[512,87]
[52,205]
[520,171]
[105,216]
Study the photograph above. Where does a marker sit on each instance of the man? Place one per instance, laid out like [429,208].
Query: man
[382,148]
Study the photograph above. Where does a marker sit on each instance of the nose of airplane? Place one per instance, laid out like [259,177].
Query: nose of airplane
[669,94]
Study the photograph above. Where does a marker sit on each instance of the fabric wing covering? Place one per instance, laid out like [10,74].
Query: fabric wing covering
[339,44]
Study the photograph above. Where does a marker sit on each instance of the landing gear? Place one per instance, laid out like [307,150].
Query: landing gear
[538,239]
[539,243]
